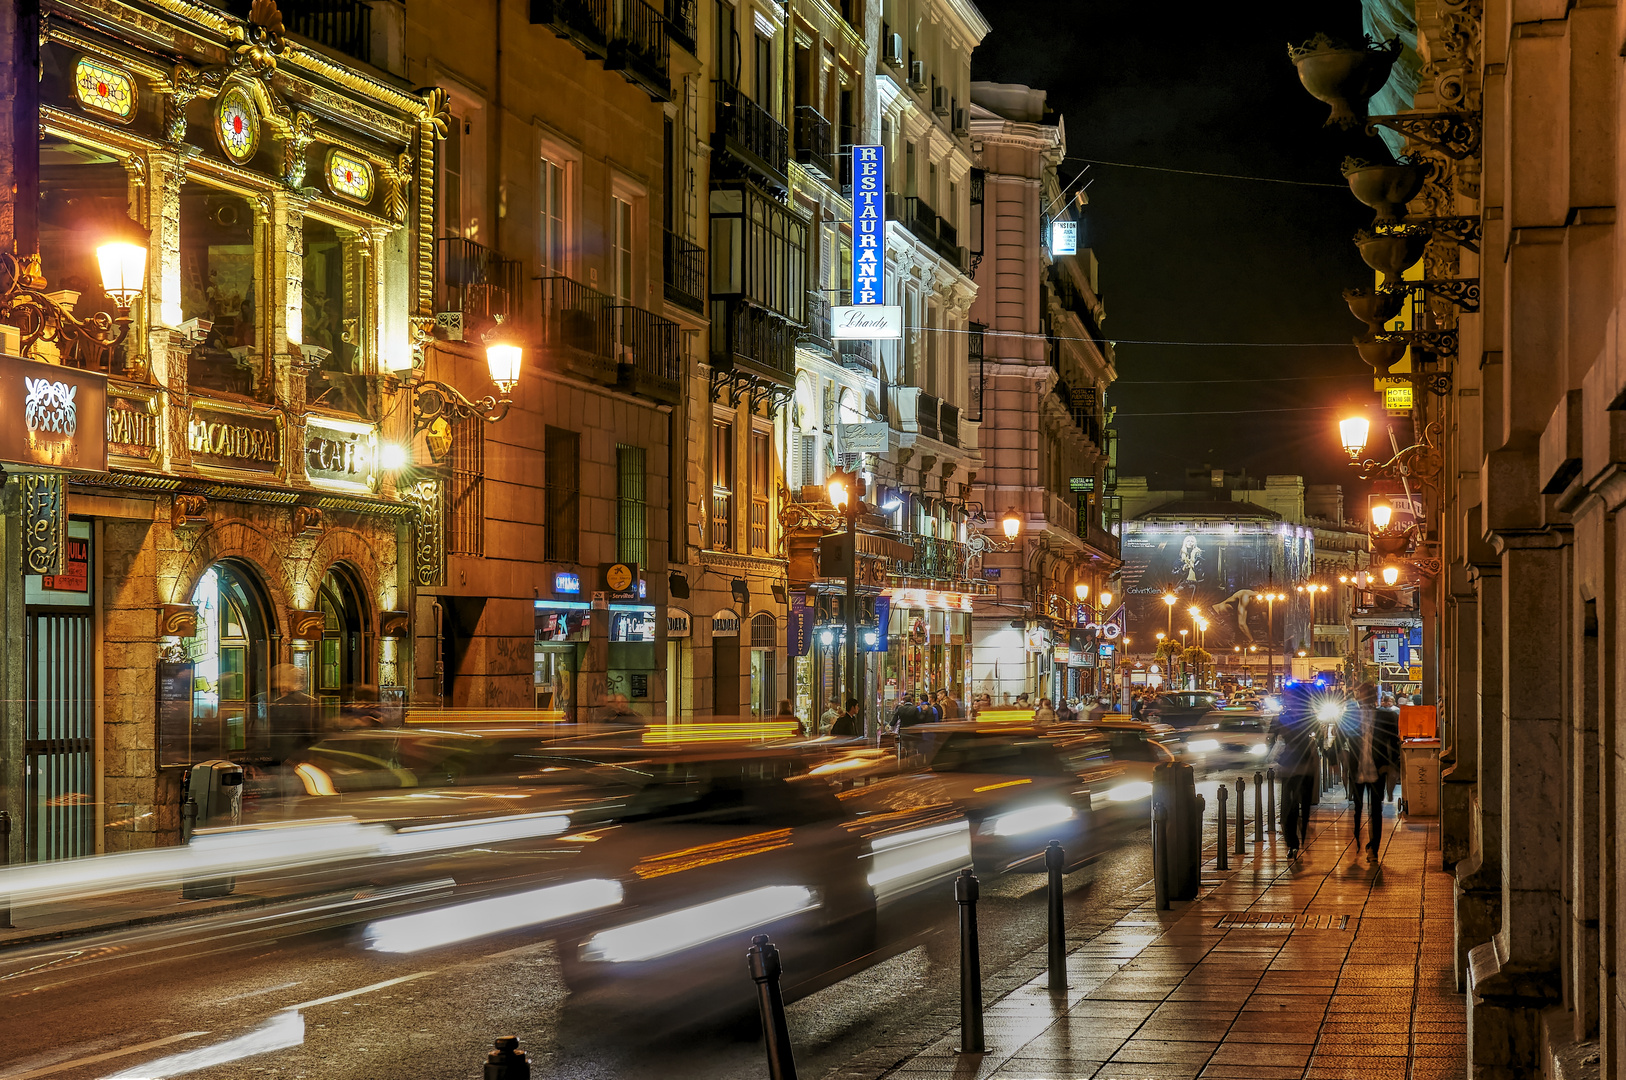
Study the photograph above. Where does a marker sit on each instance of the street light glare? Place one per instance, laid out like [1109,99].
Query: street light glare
[1352,432]
[837,489]
[1081,590]
[1106,599]
[1012,524]
[1381,513]
[1391,574]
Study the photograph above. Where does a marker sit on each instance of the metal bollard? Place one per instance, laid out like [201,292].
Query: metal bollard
[1222,861]
[965,891]
[508,1061]
[763,959]
[5,860]
[1241,814]
[1054,857]
[1270,799]
[1160,856]
[1258,809]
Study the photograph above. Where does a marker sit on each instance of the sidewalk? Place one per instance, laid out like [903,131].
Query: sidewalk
[1327,968]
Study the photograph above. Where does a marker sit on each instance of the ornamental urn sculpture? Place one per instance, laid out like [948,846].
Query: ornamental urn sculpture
[1342,75]
[1386,188]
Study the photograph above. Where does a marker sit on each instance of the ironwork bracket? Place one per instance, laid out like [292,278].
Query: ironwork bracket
[1463,292]
[1465,229]
[1443,342]
[41,318]
[433,401]
[1455,135]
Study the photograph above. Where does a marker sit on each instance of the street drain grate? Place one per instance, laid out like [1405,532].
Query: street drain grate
[1266,920]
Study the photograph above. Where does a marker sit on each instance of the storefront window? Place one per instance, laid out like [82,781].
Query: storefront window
[220,291]
[83,193]
[329,337]
[228,658]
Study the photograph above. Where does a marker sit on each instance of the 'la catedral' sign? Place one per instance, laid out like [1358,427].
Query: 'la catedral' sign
[244,441]
[52,417]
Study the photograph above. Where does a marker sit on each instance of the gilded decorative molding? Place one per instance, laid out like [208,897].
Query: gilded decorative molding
[45,523]
[295,146]
[428,533]
[397,177]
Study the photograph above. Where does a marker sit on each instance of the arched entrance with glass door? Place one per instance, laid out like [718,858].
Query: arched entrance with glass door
[230,657]
[341,661]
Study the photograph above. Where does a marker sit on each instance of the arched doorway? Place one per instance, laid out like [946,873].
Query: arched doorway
[341,662]
[230,657]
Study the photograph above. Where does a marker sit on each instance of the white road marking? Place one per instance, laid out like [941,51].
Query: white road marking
[350,993]
[257,993]
[94,1058]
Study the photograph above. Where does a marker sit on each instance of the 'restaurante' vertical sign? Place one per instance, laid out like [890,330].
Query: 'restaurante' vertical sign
[869,223]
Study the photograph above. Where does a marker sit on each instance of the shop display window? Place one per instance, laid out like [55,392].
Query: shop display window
[220,291]
[84,194]
[331,322]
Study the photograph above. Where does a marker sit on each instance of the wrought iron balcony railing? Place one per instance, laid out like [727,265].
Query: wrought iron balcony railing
[343,25]
[587,23]
[680,17]
[813,146]
[478,282]
[816,335]
[857,355]
[578,329]
[640,48]
[936,559]
[744,334]
[649,359]
[924,223]
[749,137]
[683,266]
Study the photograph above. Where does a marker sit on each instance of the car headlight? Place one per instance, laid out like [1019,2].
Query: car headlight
[1258,749]
[1133,791]
[1029,819]
[1203,746]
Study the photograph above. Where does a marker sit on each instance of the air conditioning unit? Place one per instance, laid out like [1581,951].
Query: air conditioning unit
[917,74]
[961,125]
[940,100]
[894,50]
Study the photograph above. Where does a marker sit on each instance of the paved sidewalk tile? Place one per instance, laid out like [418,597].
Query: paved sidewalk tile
[1322,969]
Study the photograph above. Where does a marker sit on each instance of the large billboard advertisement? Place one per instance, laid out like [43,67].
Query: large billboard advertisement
[1225,571]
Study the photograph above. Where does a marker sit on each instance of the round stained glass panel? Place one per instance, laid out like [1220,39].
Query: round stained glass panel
[237,123]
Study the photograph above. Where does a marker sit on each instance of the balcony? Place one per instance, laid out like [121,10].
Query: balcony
[578,330]
[479,283]
[649,358]
[816,335]
[750,139]
[924,224]
[342,25]
[857,355]
[681,22]
[1071,299]
[586,23]
[683,265]
[926,410]
[640,49]
[753,339]
[813,146]
[948,423]
[935,559]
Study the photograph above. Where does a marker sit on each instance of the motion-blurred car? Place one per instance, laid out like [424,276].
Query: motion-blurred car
[718,847]
[1181,708]
[1234,740]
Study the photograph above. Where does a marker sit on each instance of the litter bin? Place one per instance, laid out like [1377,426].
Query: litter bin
[1420,777]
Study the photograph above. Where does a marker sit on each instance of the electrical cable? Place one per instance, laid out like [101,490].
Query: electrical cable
[1213,175]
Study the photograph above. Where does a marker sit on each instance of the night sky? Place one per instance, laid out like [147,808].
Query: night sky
[1198,259]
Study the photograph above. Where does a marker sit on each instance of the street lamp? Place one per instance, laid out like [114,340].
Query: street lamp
[1381,513]
[1011,523]
[1352,433]
[1168,599]
[1080,591]
[122,260]
[1106,600]
[433,400]
[1391,574]
[845,489]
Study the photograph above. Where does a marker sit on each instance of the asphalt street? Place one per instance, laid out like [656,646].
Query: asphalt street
[292,994]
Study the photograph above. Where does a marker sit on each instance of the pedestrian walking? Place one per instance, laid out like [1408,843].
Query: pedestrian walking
[1371,754]
[847,725]
[1066,714]
[949,708]
[1045,713]
[1293,741]
[906,714]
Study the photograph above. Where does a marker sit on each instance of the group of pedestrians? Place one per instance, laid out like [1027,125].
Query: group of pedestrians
[1362,742]
[933,706]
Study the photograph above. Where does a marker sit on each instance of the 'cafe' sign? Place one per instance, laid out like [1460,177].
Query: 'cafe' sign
[341,454]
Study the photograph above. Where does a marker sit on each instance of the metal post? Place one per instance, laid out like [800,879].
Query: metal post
[1241,813]
[1160,855]
[763,959]
[508,1061]
[1054,857]
[965,891]
[5,860]
[852,591]
[1258,809]
[1270,797]
[1222,861]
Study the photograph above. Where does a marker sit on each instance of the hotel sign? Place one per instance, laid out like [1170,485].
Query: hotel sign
[869,224]
[52,417]
[244,441]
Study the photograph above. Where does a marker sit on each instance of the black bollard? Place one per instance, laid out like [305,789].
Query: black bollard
[965,891]
[5,860]
[508,1061]
[1241,814]
[1258,809]
[765,969]
[1160,856]
[1270,801]
[1222,861]
[1054,857]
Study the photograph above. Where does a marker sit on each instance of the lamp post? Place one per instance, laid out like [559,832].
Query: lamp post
[122,260]
[1168,601]
[844,489]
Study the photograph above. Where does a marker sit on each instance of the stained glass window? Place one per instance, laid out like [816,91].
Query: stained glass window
[349,176]
[105,89]
[237,122]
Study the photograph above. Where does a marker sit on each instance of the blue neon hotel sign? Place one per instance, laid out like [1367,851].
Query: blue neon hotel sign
[869,223]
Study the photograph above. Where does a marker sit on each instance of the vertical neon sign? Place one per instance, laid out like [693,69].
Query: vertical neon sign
[869,223]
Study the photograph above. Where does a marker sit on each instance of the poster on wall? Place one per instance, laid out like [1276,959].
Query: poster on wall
[1225,572]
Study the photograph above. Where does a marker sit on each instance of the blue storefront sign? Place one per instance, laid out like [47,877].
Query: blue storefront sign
[869,224]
